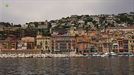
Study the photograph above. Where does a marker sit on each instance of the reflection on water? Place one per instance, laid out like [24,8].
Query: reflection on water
[67,66]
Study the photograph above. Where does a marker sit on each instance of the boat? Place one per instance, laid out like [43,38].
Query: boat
[126,54]
[112,54]
[96,54]
[109,54]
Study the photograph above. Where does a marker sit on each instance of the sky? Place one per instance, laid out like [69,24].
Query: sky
[23,11]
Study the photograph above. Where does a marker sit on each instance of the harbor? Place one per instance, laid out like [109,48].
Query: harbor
[66,37]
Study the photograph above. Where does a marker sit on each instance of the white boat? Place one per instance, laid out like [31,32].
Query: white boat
[96,54]
[104,55]
[108,54]
[112,53]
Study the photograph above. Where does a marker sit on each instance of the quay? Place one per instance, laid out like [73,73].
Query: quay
[38,55]
[50,55]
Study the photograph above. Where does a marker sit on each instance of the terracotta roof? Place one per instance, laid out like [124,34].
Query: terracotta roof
[39,36]
[28,39]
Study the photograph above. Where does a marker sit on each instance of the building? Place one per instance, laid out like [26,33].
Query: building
[24,46]
[10,43]
[120,45]
[43,25]
[63,43]
[131,43]
[126,45]
[104,45]
[72,31]
[1,44]
[44,43]
[82,44]
[125,29]
[28,43]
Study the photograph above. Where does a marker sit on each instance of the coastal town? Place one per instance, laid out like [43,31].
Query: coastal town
[78,34]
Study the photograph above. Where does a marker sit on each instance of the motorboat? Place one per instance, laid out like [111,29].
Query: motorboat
[109,54]
[112,54]
[96,54]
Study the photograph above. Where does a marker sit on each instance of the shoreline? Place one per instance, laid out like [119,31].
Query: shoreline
[54,55]
[38,55]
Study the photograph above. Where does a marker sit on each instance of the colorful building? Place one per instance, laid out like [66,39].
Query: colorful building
[63,43]
[44,43]
[82,44]
[131,43]
[28,43]
[120,45]
[10,43]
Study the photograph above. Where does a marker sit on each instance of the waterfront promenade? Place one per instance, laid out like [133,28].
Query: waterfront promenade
[38,55]
[49,55]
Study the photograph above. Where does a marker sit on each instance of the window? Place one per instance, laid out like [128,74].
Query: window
[79,40]
[115,46]
[46,47]
[63,46]
[105,45]
[120,43]
[69,45]
[126,47]
[46,42]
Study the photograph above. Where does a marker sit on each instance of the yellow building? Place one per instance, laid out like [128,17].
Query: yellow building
[43,43]
[72,32]
[131,43]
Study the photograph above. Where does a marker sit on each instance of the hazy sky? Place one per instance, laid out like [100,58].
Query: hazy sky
[22,11]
